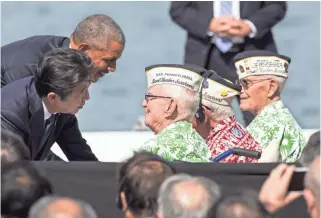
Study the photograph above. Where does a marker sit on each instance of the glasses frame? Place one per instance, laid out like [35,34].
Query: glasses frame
[249,83]
[148,96]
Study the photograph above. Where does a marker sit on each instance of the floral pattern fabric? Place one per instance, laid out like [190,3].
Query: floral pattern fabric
[229,134]
[179,141]
[270,121]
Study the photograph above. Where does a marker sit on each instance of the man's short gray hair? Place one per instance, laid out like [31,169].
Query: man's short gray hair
[40,208]
[170,207]
[188,100]
[239,205]
[281,81]
[97,30]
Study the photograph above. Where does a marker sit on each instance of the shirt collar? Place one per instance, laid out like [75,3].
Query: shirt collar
[46,112]
[174,125]
[221,125]
[272,107]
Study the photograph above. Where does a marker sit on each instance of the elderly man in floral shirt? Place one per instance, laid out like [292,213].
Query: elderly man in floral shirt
[219,126]
[171,102]
[262,75]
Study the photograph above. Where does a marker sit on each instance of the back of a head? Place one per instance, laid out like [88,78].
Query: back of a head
[97,31]
[312,179]
[311,149]
[57,207]
[184,196]
[12,148]
[21,186]
[244,204]
[140,180]
[61,70]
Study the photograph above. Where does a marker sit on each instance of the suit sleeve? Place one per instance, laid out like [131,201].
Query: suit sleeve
[73,144]
[190,19]
[269,15]
[11,122]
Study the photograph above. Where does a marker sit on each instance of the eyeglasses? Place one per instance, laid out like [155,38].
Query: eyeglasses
[246,84]
[151,97]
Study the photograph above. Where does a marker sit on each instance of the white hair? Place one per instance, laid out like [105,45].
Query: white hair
[40,209]
[170,203]
[220,112]
[187,100]
[281,81]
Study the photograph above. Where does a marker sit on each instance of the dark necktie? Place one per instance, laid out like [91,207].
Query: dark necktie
[49,124]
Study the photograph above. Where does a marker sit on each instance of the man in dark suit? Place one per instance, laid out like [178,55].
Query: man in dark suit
[217,31]
[41,109]
[99,36]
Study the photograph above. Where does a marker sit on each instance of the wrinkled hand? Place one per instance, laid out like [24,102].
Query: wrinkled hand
[239,28]
[221,25]
[273,193]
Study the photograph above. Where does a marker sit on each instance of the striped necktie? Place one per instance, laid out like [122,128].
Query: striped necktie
[224,44]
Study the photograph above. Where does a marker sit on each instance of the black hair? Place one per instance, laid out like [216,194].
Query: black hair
[61,70]
[12,148]
[140,180]
[21,186]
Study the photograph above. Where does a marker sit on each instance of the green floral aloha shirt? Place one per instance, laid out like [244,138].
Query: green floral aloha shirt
[179,141]
[266,125]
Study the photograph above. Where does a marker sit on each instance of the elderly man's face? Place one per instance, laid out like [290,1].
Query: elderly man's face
[254,94]
[155,104]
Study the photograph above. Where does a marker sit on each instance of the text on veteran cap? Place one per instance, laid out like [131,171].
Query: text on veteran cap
[253,63]
[187,76]
[219,91]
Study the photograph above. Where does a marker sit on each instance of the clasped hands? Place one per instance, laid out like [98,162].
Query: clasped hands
[229,26]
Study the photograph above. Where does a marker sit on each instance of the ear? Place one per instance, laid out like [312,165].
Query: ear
[123,201]
[207,112]
[82,47]
[273,88]
[52,97]
[171,109]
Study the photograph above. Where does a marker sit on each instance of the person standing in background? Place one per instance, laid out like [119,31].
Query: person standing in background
[217,31]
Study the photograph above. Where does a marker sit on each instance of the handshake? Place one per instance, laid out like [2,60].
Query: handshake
[229,26]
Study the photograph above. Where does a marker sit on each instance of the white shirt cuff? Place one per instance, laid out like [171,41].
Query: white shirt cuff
[253,28]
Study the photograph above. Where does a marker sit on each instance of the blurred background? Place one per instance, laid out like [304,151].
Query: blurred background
[152,38]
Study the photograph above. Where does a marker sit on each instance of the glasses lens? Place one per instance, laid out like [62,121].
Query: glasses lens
[244,83]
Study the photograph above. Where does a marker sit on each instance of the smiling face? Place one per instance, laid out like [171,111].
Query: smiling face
[105,60]
[255,93]
[156,104]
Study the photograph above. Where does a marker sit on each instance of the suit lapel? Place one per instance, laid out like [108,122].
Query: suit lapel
[36,123]
[49,140]
[242,12]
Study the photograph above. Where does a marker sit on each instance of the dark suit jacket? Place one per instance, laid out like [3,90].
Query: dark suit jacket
[20,59]
[22,112]
[195,18]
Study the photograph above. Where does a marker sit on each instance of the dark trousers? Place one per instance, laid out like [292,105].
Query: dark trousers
[223,65]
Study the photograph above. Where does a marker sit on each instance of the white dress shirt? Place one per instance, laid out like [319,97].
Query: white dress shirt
[236,14]
[47,115]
